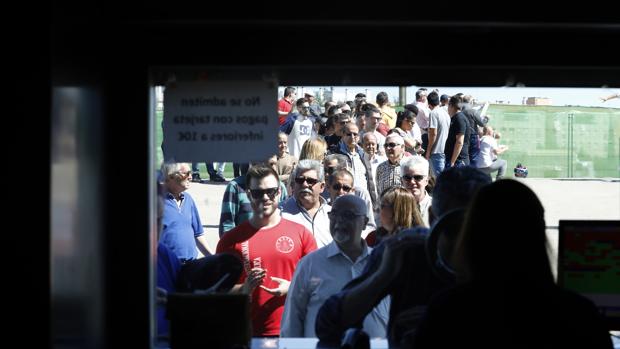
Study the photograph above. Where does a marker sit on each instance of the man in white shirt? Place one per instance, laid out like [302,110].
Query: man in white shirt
[324,272]
[438,128]
[414,177]
[306,206]
[488,162]
[298,127]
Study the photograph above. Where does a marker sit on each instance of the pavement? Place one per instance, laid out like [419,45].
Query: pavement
[587,199]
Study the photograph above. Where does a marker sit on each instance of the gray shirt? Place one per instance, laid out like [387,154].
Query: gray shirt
[319,275]
[317,225]
[439,119]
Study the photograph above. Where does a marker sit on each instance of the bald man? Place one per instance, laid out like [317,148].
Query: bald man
[324,272]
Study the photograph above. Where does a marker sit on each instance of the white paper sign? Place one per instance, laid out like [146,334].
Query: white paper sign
[220,121]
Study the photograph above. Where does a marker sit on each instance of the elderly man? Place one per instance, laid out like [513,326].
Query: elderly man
[414,177]
[388,172]
[398,267]
[306,206]
[339,183]
[315,108]
[266,243]
[181,226]
[356,162]
[324,272]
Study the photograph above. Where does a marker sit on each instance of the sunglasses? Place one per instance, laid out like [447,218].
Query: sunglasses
[346,215]
[352,134]
[181,174]
[330,170]
[417,178]
[310,181]
[338,186]
[391,145]
[258,194]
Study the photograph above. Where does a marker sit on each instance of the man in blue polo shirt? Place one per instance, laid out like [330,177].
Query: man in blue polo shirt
[181,226]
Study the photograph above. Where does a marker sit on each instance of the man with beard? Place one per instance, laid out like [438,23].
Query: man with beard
[325,271]
[269,247]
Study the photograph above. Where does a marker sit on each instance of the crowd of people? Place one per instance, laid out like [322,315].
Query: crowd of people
[331,232]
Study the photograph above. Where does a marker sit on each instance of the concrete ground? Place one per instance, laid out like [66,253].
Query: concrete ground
[586,199]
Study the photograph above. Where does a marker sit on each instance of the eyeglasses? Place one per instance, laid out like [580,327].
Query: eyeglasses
[181,174]
[330,169]
[391,145]
[258,194]
[310,181]
[417,178]
[352,134]
[338,186]
[346,215]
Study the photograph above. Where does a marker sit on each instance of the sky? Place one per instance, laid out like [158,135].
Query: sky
[586,97]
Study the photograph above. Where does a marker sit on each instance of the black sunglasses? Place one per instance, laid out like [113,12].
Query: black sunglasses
[338,186]
[310,181]
[390,145]
[258,194]
[330,169]
[417,178]
[352,134]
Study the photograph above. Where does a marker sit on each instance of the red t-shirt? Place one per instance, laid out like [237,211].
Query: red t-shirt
[277,249]
[285,106]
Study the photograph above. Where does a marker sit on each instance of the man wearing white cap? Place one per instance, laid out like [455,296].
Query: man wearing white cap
[315,108]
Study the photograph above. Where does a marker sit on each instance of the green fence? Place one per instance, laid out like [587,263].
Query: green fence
[560,142]
[553,142]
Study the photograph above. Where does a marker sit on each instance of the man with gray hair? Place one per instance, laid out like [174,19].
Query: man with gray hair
[414,176]
[306,206]
[182,229]
[324,272]
[388,173]
[398,267]
[339,183]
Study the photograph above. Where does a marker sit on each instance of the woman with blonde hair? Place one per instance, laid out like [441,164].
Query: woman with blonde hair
[399,210]
[313,149]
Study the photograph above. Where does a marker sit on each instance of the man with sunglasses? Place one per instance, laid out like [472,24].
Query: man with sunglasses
[415,171]
[182,229]
[339,183]
[269,247]
[325,271]
[356,162]
[388,173]
[306,206]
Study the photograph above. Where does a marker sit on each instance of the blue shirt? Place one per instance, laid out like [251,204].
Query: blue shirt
[181,226]
[319,275]
[168,267]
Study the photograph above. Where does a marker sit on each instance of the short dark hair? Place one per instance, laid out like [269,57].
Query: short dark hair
[288,91]
[433,99]
[259,172]
[382,98]
[413,108]
[455,187]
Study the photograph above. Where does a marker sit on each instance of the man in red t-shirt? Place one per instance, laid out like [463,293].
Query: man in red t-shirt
[269,247]
[285,105]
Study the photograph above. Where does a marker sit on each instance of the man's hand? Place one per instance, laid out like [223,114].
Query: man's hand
[282,288]
[255,278]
